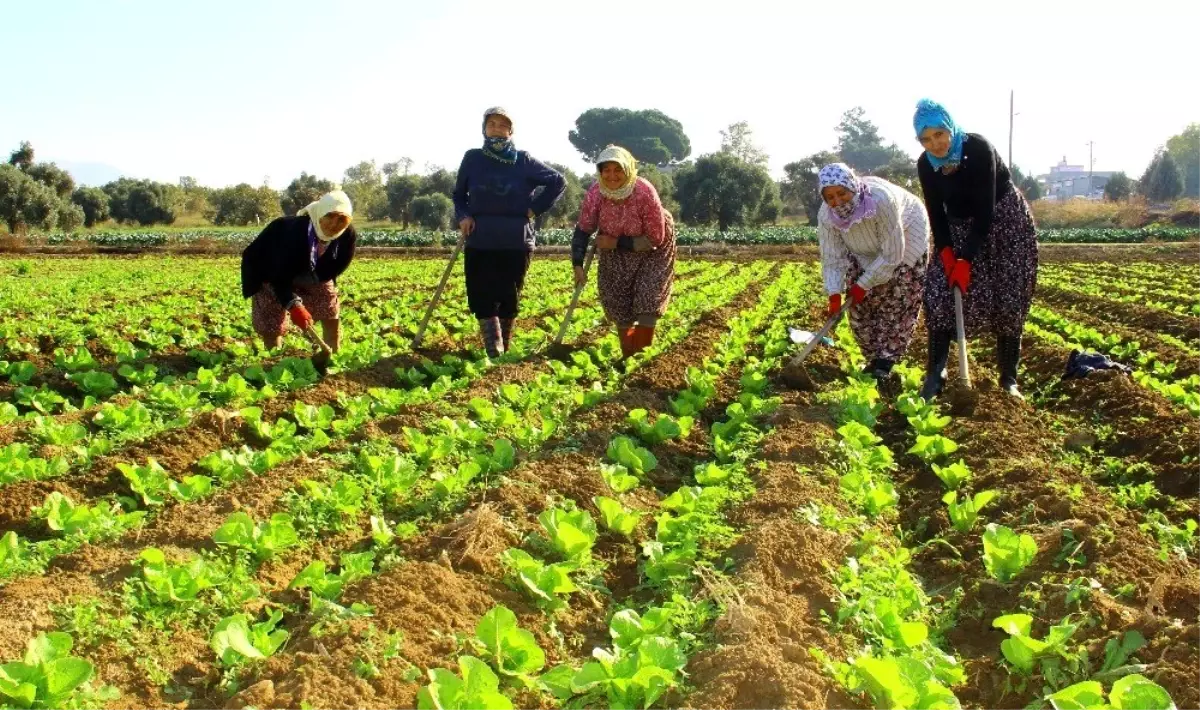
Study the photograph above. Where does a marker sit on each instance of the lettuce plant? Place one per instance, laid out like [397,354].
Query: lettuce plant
[236,640]
[616,517]
[1006,553]
[50,677]
[475,688]
[963,515]
[262,540]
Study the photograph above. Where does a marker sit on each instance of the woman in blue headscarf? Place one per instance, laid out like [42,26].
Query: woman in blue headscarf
[984,238]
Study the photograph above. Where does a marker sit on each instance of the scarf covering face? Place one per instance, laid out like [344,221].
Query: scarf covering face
[931,114]
[336,201]
[620,156]
[860,207]
[501,149]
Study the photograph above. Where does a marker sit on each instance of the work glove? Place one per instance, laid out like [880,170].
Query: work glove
[835,304]
[961,275]
[857,294]
[948,259]
[300,316]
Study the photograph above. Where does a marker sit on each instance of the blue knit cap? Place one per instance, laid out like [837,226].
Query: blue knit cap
[931,114]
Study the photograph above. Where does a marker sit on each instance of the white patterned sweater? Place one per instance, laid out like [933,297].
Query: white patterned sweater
[897,234]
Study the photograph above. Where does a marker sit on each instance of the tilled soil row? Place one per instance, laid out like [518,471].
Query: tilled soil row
[189,528]
[760,657]
[1005,443]
[453,574]
[1147,322]
[177,450]
[94,570]
[1145,427]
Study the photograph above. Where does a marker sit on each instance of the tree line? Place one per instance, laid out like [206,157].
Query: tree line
[728,188]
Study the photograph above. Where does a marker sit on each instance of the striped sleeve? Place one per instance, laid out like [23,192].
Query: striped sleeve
[835,257]
[892,248]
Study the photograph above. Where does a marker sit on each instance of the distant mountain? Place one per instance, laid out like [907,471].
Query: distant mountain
[91,174]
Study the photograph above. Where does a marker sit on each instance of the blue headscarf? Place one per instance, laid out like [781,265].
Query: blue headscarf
[502,149]
[931,114]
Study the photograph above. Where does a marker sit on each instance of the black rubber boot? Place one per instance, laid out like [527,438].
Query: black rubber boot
[493,340]
[935,370]
[881,369]
[506,330]
[1008,356]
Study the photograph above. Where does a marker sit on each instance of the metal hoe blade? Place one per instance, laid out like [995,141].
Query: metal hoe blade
[324,354]
[794,374]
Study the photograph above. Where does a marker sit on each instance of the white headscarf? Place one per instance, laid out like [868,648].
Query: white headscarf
[336,201]
[620,156]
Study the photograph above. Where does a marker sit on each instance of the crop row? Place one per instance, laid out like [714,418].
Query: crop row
[274,535]
[686,236]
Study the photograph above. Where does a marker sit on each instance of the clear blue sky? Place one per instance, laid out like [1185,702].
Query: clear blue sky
[233,92]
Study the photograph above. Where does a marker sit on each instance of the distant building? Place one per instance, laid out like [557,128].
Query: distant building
[1065,182]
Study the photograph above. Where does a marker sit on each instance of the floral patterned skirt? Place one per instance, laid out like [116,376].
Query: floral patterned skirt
[884,322]
[1003,274]
[270,318]
[635,283]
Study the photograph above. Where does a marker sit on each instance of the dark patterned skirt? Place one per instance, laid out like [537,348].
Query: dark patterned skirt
[270,318]
[633,283]
[1003,274]
[884,322]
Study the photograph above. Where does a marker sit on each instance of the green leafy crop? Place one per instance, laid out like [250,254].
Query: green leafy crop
[1006,553]
[49,677]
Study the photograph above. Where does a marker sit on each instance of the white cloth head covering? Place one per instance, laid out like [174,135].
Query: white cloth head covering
[336,201]
[620,156]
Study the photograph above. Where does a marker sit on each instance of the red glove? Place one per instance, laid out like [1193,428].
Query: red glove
[857,294]
[300,316]
[948,261]
[961,275]
[835,304]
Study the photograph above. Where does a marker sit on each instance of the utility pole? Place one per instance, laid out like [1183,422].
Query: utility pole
[1091,166]
[1010,127]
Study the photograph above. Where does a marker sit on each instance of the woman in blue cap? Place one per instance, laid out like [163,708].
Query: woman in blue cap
[984,238]
[495,209]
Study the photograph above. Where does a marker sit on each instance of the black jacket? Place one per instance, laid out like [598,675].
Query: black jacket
[971,192]
[280,254]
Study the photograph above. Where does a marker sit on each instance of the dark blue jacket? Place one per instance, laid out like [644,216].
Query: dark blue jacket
[499,196]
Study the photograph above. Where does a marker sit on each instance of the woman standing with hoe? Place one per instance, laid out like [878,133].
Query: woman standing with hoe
[495,210]
[985,239]
[636,242]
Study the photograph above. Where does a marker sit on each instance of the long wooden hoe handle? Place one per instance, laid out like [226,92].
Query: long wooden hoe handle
[587,264]
[437,295]
[317,340]
[964,370]
[821,333]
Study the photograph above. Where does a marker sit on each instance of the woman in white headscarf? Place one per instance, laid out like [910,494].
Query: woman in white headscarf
[290,269]
[874,239]
[635,237]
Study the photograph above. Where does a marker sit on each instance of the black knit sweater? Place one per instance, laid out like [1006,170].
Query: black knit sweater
[280,254]
[971,191]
